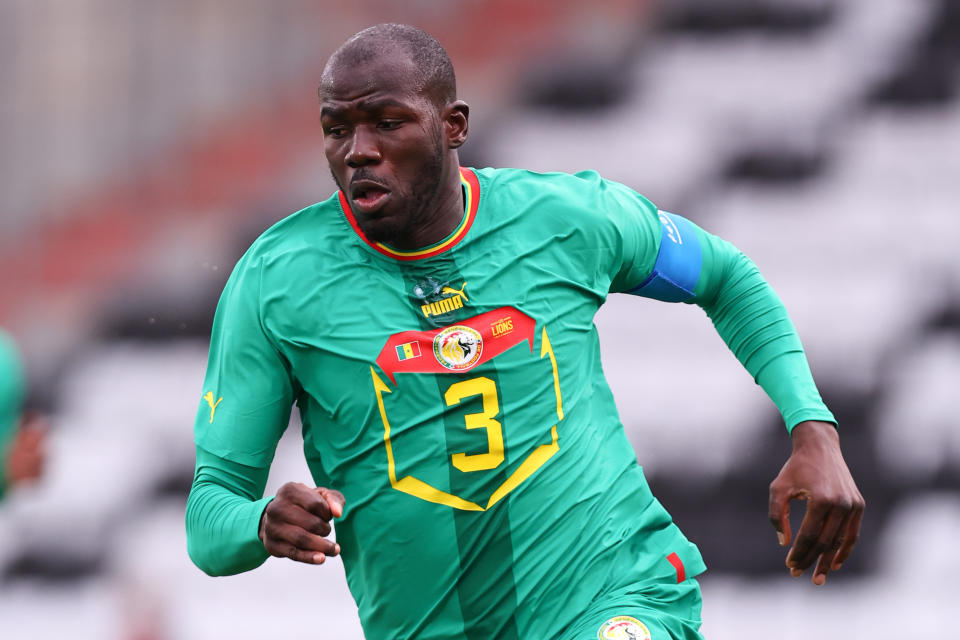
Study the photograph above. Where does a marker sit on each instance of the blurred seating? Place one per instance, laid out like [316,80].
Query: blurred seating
[805,132]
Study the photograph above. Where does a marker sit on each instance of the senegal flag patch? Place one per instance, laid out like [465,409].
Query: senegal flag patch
[408,350]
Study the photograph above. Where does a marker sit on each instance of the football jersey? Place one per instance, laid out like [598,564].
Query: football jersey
[11,398]
[455,396]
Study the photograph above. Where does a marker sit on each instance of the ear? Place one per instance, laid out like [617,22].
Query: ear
[456,116]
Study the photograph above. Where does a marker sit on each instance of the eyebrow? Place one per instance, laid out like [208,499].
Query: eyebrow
[364,105]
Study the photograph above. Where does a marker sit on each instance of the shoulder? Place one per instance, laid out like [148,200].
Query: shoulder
[581,197]
[509,179]
[306,235]
[303,230]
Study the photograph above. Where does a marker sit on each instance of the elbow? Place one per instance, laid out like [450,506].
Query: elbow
[199,546]
[216,553]
[198,551]
[200,558]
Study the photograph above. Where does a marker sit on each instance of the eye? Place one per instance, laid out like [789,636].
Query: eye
[389,125]
[335,131]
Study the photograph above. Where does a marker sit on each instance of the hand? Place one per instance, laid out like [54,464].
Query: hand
[296,521]
[817,473]
[26,454]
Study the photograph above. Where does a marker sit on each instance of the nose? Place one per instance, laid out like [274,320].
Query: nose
[363,149]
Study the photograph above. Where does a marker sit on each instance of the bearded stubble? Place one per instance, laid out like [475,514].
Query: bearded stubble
[421,200]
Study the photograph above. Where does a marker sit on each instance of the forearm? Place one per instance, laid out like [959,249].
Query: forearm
[223,516]
[754,324]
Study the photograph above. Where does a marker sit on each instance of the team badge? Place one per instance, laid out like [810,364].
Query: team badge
[623,628]
[458,347]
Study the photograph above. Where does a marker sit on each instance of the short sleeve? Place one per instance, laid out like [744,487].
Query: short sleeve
[248,390]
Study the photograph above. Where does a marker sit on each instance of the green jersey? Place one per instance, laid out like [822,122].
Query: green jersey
[455,396]
[11,399]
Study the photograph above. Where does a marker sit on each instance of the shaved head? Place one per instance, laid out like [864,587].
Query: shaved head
[433,75]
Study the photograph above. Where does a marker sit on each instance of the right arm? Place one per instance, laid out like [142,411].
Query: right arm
[230,529]
[248,391]
[223,515]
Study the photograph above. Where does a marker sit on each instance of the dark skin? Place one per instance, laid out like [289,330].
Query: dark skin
[817,473]
[27,452]
[393,152]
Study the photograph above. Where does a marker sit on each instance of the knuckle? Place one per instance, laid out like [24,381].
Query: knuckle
[289,488]
[844,504]
[822,503]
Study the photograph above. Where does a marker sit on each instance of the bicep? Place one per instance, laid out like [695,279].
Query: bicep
[679,262]
[248,389]
[691,265]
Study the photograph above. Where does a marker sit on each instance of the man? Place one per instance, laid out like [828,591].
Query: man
[434,325]
[21,436]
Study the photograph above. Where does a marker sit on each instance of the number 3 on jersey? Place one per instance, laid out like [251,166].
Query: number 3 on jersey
[486,419]
[403,353]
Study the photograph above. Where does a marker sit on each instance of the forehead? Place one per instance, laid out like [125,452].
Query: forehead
[390,74]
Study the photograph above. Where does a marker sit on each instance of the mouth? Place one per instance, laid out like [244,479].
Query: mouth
[368,196]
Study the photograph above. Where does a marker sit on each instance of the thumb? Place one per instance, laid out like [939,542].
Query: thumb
[334,499]
[779,513]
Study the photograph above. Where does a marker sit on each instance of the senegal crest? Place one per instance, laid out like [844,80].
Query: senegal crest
[623,628]
[458,348]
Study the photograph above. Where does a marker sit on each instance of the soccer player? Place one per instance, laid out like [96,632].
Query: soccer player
[21,436]
[434,325]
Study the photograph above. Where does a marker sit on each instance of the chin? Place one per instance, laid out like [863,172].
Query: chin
[381,230]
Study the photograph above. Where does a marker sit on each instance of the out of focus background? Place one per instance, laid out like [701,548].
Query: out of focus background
[143,145]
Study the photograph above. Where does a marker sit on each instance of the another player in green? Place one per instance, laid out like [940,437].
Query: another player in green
[21,436]
[434,325]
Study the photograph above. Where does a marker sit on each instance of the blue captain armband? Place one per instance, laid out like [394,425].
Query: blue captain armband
[677,268]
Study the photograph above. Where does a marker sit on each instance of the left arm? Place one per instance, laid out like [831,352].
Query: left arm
[696,267]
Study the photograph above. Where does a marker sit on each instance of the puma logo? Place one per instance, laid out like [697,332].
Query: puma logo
[453,300]
[450,291]
[208,396]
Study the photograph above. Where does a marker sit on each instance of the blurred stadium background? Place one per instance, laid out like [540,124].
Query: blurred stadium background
[145,144]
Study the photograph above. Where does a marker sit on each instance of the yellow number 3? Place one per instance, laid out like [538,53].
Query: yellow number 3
[487,390]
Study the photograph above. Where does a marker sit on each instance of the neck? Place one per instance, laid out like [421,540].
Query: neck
[441,215]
